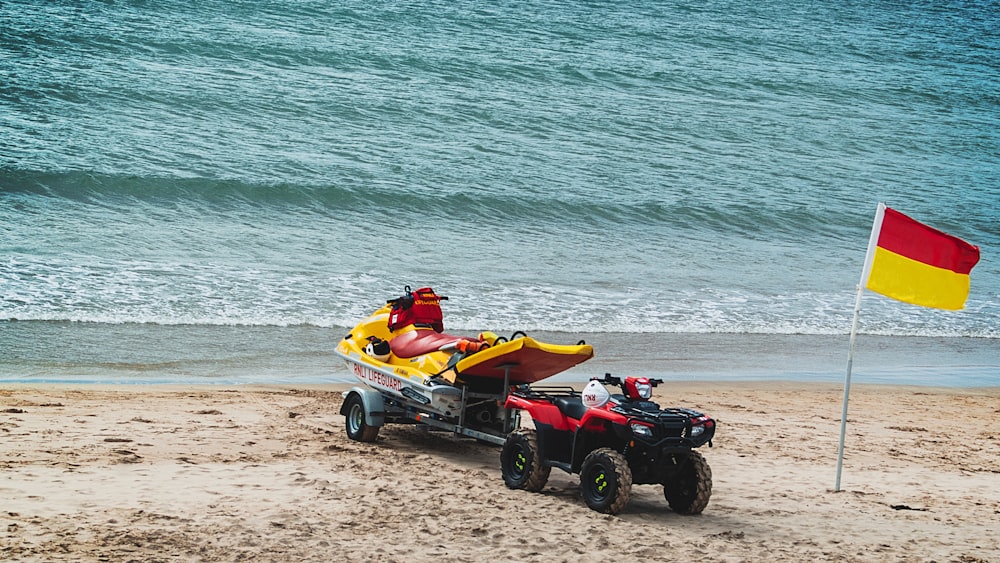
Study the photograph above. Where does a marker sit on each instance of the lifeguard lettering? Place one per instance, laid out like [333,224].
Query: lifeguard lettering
[377,378]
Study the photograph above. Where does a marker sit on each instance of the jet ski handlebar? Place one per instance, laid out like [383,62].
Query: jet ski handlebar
[407,299]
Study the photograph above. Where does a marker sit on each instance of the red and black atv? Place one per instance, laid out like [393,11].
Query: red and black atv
[612,441]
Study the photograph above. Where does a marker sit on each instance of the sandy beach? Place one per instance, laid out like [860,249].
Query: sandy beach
[266,473]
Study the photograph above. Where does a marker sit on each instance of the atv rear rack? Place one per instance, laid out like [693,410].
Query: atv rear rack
[545,392]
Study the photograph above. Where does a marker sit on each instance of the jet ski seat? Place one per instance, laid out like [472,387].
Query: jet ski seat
[422,341]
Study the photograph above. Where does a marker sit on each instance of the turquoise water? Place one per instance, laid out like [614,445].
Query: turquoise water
[662,168]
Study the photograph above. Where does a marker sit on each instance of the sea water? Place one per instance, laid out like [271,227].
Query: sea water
[216,191]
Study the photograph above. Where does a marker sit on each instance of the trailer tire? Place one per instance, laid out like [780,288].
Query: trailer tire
[605,481]
[688,491]
[520,464]
[357,425]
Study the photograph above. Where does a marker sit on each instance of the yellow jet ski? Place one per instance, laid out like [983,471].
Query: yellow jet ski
[402,350]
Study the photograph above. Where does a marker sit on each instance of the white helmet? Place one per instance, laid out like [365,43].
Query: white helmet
[378,349]
[595,395]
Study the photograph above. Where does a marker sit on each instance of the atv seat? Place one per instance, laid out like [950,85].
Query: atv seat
[421,341]
[572,407]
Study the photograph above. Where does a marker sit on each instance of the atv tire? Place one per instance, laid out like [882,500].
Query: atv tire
[605,481]
[688,491]
[357,425]
[520,464]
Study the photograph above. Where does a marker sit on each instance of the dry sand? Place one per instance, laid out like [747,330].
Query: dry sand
[150,473]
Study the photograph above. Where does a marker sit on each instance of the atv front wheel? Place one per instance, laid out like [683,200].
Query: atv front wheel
[605,481]
[688,491]
[519,462]
[357,421]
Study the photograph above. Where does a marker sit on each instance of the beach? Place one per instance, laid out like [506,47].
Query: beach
[257,472]
[200,200]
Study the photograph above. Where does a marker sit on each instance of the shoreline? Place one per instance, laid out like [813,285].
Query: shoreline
[265,471]
[136,387]
[99,353]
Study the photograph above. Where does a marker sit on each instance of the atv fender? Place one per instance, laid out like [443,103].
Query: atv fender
[373,402]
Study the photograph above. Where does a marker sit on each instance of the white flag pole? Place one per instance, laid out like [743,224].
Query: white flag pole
[865,272]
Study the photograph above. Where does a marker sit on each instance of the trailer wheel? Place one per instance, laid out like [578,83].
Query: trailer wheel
[605,481]
[357,421]
[688,491]
[520,464]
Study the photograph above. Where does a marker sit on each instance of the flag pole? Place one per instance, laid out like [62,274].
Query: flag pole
[865,272]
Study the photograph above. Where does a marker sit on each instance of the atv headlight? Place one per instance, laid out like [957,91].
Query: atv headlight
[642,430]
[697,431]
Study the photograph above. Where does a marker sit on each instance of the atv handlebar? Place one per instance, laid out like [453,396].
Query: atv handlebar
[608,379]
[614,380]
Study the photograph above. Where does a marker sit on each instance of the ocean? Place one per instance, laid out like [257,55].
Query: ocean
[216,191]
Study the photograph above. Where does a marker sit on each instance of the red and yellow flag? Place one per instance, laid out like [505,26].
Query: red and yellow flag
[918,264]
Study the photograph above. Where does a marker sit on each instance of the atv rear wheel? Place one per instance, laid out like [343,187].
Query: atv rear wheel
[690,488]
[357,421]
[520,464]
[606,481]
